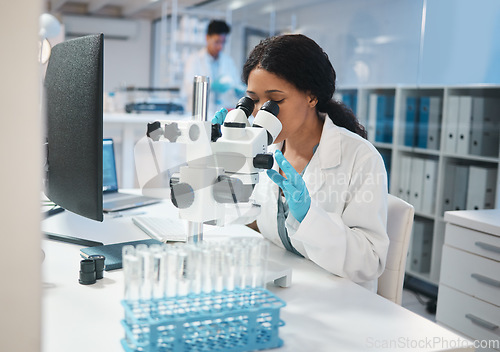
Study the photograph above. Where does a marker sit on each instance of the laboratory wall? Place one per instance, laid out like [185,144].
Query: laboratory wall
[127,48]
[368,41]
[387,42]
[461,43]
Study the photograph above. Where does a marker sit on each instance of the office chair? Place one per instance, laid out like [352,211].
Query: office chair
[399,225]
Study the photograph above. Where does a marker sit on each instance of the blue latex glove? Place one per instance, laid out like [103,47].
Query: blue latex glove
[293,186]
[219,87]
[220,116]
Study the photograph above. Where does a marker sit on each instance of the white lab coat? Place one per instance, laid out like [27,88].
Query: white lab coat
[199,64]
[344,230]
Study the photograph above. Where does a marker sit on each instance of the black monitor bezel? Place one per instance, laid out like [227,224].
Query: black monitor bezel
[74,119]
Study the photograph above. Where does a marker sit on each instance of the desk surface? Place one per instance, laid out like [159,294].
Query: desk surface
[323,312]
[487,220]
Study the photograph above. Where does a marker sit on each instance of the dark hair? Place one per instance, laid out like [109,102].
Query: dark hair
[302,62]
[218,27]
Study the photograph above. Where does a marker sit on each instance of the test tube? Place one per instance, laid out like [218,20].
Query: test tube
[146,271]
[158,271]
[132,284]
[182,277]
[264,252]
[258,262]
[194,270]
[172,271]
[218,273]
[131,272]
[206,267]
[240,255]
[230,270]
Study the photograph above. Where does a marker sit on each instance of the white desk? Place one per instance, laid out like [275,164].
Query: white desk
[323,312]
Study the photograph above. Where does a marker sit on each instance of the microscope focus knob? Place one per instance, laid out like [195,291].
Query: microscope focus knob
[263,161]
[154,130]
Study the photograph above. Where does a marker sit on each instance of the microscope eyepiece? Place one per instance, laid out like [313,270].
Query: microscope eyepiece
[267,119]
[247,105]
[271,106]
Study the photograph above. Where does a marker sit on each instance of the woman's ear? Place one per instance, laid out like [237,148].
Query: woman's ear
[313,101]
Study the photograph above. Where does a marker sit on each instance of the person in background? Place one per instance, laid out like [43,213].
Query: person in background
[326,197]
[225,84]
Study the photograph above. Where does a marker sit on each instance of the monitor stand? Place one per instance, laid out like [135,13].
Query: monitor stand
[64,238]
[71,239]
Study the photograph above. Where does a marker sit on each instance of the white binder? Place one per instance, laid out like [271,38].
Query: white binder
[421,246]
[416,183]
[464,125]
[435,114]
[404,178]
[372,117]
[481,188]
[460,187]
[451,125]
[429,188]
[484,139]
[449,186]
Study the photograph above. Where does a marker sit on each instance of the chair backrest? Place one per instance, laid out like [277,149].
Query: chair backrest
[399,225]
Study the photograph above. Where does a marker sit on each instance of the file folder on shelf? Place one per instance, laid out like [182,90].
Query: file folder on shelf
[380,119]
[481,188]
[435,116]
[388,119]
[404,178]
[423,122]
[354,104]
[460,187]
[386,156]
[421,246]
[350,100]
[347,99]
[485,130]
[372,117]
[416,183]
[464,125]
[430,184]
[451,125]
[449,187]
[410,121]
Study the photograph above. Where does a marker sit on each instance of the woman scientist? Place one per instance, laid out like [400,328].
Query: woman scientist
[327,201]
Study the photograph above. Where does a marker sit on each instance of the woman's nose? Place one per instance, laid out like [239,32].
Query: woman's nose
[256,108]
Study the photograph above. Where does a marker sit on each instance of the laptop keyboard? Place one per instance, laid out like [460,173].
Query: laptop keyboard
[162,229]
[122,203]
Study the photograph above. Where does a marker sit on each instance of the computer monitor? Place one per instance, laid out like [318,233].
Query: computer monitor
[74,108]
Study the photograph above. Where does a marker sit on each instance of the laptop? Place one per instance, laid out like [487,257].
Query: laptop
[113,199]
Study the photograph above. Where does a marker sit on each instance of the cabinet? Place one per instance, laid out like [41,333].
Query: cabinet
[441,150]
[469,288]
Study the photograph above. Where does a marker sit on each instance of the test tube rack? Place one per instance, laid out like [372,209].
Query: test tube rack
[242,319]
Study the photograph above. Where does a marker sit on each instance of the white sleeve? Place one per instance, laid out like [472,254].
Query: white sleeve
[352,244]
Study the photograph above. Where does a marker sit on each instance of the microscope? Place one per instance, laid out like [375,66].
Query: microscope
[223,162]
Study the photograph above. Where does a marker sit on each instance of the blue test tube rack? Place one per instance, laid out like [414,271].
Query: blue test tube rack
[238,320]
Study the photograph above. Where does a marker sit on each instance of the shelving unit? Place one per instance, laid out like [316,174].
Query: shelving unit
[427,241]
[179,34]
